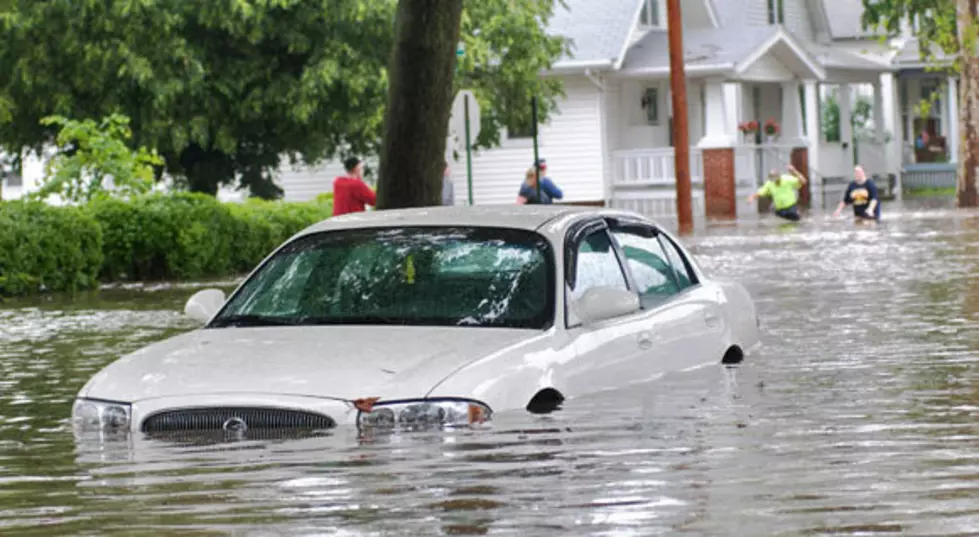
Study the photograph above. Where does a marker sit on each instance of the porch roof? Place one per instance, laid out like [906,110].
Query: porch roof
[727,51]
[908,55]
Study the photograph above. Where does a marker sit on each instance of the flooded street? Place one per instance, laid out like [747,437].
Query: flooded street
[860,416]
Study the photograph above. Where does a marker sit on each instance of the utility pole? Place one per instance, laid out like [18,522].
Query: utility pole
[681,136]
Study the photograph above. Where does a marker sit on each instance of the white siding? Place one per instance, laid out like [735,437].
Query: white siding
[695,15]
[572,144]
[304,183]
[757,12]
[768,69]
[631,131]
[797,19]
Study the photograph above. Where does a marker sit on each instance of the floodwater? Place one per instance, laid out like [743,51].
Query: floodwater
[860,416]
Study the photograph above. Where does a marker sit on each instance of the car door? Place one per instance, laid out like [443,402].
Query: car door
[606,352]
[704,333]
[676,315]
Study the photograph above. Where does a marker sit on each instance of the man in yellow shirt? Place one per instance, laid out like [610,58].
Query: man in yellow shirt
[784,191]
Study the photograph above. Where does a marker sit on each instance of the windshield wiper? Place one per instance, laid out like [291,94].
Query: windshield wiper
[254,320]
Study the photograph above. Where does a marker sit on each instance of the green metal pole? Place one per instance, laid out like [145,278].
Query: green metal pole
[469,160]
[533,111]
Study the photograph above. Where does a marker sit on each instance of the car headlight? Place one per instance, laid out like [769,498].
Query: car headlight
[427,412]
[95,414]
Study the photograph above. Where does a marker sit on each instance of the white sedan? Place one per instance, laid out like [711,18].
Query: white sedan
[435,316]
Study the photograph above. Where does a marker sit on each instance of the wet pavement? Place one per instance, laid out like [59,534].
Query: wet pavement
[860,416]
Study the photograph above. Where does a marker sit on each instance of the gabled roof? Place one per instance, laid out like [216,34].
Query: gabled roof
[844,19]
[599,31]
[730,50]
[718,48]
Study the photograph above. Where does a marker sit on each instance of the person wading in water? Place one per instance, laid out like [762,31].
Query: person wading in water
[784,191]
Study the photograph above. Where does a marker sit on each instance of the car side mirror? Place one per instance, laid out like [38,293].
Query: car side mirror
[203,305]
[603,303]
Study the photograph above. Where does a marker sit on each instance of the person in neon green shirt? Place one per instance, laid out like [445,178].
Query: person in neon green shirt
[784,191]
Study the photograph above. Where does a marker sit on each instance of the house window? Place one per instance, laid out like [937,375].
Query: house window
[650,102]
[776,11]
[650,15]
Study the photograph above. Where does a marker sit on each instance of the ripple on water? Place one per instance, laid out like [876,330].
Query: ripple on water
[857,418]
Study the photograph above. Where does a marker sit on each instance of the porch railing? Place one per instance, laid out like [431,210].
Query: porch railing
[653,167]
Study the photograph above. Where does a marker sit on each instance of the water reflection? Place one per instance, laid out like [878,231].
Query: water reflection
[857,418]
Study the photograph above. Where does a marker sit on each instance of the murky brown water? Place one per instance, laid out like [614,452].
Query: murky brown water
[859,417]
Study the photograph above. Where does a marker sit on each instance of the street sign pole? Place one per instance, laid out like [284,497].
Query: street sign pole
[469,160]
[533,112]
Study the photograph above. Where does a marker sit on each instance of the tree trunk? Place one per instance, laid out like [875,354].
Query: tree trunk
[968,157]
[419,103]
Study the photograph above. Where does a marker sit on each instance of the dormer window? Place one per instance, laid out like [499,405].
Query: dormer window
[652,14]
[776,11]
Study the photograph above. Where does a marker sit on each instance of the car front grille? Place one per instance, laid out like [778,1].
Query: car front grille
[235,420]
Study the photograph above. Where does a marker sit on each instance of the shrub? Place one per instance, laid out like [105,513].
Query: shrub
[161,236]
[190,236]
[47,248]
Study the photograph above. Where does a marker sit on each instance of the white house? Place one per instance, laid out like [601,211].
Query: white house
[610,141]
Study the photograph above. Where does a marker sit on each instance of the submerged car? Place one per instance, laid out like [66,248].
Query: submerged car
[430,316]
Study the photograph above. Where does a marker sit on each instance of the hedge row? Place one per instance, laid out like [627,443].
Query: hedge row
[159,237]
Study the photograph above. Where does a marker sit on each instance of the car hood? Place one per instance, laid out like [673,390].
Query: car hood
[343,362]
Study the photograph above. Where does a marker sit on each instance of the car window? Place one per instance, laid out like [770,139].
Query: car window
[596,264]
[685,277]
[406,276]
[655,278]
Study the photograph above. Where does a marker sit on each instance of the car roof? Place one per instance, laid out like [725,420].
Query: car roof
[529,217]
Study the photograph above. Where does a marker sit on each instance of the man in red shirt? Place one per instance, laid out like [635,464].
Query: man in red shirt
[350,192]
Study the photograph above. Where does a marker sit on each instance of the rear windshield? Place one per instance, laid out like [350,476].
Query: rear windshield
[460,276]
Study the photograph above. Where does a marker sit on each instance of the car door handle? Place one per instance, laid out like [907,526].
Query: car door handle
[712,319]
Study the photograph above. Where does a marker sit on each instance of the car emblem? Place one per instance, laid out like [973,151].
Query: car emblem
[235,425]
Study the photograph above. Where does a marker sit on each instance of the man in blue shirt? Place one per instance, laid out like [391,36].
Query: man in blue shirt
[548,190]
[862,194]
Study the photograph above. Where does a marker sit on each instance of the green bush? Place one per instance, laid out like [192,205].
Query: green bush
[47,248]
[163,236]
[188,236]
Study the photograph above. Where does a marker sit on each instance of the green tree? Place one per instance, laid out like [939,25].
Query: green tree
[860,117]
[228,90]
[948,27]
[95,161]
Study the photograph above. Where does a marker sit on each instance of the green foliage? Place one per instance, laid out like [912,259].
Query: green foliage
[227,89]
[47,248]
[189,236]
[934,21]
[506,48]
[183,236]
[92,155]
[861,116]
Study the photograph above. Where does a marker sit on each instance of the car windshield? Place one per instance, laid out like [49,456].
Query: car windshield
[460,276]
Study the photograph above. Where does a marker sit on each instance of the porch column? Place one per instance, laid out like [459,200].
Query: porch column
[814,137]
[793,134]
[878,113]
[953,119]
[717,145]
[846,125]
[792,123]
[891,123]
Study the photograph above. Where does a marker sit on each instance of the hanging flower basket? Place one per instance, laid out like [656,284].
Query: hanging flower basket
[771,130]
[748,130]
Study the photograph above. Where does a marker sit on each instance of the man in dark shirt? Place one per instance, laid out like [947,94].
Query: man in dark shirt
[862,194]
[350,193]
